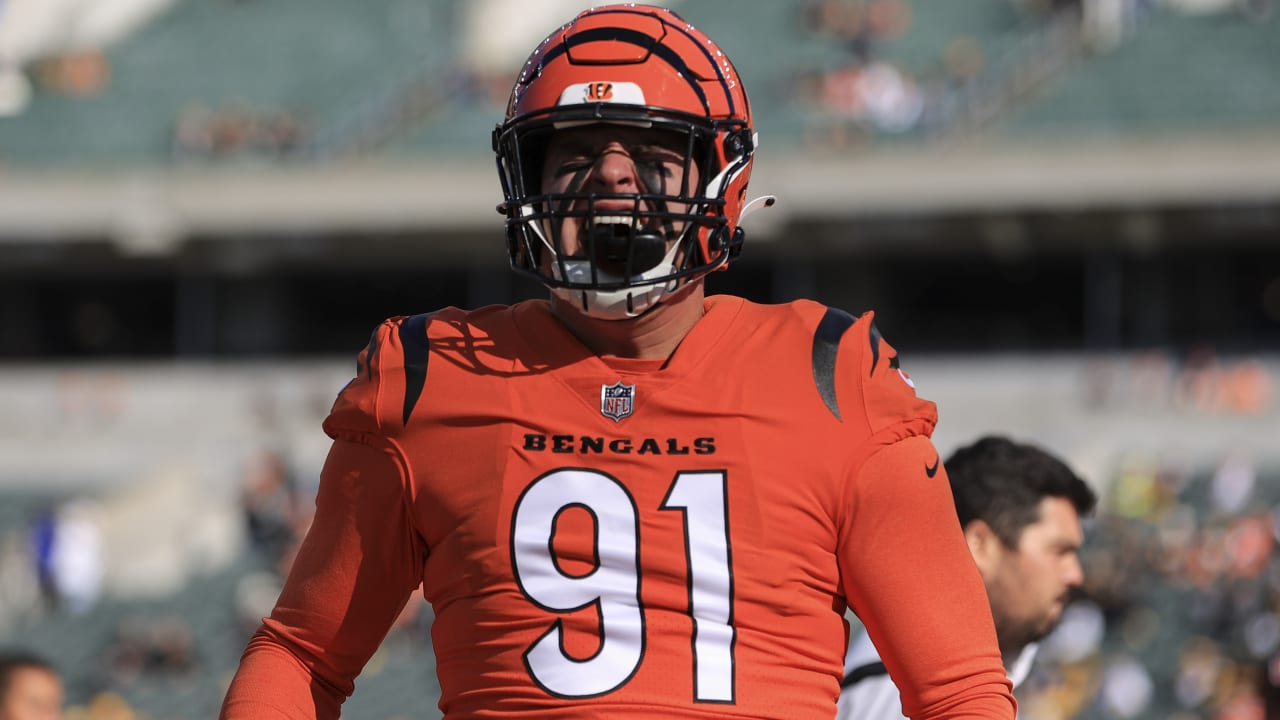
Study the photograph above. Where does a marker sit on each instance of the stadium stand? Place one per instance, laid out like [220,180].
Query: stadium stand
[1174,73]
[289,81]
[237,68]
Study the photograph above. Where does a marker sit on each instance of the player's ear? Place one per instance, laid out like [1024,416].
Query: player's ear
[984,545]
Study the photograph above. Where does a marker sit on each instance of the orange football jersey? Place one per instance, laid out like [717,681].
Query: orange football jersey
[606,537]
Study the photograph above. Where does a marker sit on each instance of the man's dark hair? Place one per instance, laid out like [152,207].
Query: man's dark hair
[1002,482]
[11,661]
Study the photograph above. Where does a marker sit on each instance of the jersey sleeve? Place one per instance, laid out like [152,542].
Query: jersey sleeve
[356,568]
[910,578]
[389,379]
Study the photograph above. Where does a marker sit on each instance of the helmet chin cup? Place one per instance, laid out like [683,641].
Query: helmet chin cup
[620,304]
[612,304]
[625,298]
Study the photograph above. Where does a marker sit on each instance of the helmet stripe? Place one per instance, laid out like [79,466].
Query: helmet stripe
[696,41]
[662,51]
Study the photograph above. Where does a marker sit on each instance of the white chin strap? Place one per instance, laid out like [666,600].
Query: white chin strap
[616,304]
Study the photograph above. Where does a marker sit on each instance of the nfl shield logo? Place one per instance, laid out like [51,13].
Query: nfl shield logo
[617,400]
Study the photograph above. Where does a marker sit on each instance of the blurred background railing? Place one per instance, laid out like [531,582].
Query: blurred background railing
[1066,214]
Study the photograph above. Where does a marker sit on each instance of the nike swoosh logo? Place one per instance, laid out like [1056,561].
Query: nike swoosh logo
[932,470]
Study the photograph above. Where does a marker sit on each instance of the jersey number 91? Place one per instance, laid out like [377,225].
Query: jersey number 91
[613,586]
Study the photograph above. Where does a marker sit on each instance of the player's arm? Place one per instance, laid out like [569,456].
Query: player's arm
[353,574]
[912,581]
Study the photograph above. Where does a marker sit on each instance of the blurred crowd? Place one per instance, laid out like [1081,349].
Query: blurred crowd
[1198,382]
[1180,614]
[857,91]
[862,92]
[233,131]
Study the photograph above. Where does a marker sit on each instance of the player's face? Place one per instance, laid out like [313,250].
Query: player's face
[1029,585]
[620,161]
[33,694]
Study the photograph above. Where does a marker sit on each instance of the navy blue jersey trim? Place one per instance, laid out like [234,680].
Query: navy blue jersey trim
[862,672]
[413,339]
[365,367]
[874,337]
[826,343]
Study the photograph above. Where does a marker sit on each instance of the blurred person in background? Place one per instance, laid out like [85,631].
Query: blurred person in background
[1021,510]
[273,507]
[30,687]
[631,499]
[66,546]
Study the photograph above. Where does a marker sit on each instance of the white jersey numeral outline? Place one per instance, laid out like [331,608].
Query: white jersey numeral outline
[613,586]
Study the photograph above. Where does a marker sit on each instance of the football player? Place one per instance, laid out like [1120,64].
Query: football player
[630,499]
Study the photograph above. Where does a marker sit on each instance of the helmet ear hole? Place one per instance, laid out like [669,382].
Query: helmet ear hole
[737,144]
[735,245]
[723,239]
[717,240]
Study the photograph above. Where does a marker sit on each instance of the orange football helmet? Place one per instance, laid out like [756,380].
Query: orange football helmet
[637,66]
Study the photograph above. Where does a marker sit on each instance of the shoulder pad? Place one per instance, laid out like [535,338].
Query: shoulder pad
[390,374]
[858,374]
